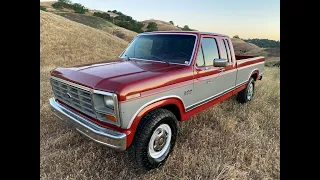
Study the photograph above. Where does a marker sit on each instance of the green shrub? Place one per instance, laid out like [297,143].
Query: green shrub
[57,5]
[127,22]
[105,16]
[171,22]
[152,26]
[65,1]
[186,28]
[43,8]
[79,8]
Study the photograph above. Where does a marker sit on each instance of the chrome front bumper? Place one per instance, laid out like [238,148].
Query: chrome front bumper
[108,137]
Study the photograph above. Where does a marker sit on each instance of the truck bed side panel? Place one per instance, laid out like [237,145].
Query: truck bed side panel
[247,66]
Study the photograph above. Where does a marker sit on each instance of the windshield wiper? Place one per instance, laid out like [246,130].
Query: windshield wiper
[160,59]
[128,59]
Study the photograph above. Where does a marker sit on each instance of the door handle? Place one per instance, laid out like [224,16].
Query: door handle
[221,69]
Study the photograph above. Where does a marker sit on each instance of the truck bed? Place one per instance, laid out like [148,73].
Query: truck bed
[244,57]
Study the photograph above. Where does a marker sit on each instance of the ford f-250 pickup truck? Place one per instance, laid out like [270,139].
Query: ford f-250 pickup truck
[135,101]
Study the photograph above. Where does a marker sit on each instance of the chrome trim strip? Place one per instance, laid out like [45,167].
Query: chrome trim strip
[240,84]
[71,83]
[209,99]
[150,102]
[105,136]
[103,92]
[155,33]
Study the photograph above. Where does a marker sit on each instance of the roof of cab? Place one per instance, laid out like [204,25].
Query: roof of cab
[187,32]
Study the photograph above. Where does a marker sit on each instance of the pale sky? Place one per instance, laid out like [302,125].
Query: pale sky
[246,18]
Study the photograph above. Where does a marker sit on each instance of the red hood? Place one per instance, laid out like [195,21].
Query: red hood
[124,77]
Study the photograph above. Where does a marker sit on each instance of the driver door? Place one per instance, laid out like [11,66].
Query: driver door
[205,74]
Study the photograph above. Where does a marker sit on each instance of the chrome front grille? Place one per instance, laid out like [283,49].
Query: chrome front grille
[78,98]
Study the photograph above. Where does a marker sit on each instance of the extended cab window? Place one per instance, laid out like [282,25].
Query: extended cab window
[200,60]
[228,49]
[223,50]
[172,48]
[210,50]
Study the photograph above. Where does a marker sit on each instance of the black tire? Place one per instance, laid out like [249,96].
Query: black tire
[139,150]
[243,95]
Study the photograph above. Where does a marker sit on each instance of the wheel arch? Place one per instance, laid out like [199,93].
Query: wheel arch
[254,74]
[171,103]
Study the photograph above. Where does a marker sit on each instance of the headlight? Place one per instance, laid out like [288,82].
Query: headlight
[106,107]
[109,102]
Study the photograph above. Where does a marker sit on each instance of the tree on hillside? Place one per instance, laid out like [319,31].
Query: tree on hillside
[152,26]
[57,5]
[65,1]
[127,22]
[264,43]
[236,36]
[78,8]
[104,15]
[171,22]
[186,28]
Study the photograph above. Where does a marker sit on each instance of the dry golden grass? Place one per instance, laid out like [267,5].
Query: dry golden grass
[91,11]
[227,141]
[47,3]
[162,25]
[100,24]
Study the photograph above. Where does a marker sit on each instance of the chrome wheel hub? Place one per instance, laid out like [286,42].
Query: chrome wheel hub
[250,91]
[159,143]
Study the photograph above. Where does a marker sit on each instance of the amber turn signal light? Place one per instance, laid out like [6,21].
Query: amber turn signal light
[111,117]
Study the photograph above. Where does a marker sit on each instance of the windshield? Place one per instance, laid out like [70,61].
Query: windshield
[171,48]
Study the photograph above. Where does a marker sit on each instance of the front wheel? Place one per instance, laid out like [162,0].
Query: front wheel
[246,95]
[154,140]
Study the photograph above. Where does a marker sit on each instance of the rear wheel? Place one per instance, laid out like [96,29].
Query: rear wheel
[154,140]
[246,94]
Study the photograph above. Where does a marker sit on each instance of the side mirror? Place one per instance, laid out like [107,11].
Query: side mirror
[220,62]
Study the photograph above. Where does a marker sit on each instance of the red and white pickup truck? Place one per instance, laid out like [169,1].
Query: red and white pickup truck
[135,101]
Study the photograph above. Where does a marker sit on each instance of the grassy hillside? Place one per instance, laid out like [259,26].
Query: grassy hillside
[101,24]
[162,25]
[243,48]
[264,43]
[272,55]
[227,141]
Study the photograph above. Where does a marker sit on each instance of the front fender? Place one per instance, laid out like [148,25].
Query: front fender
[149,107]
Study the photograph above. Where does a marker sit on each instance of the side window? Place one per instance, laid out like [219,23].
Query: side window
[200,60]
[228,49]
[223,50]
[210,50]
